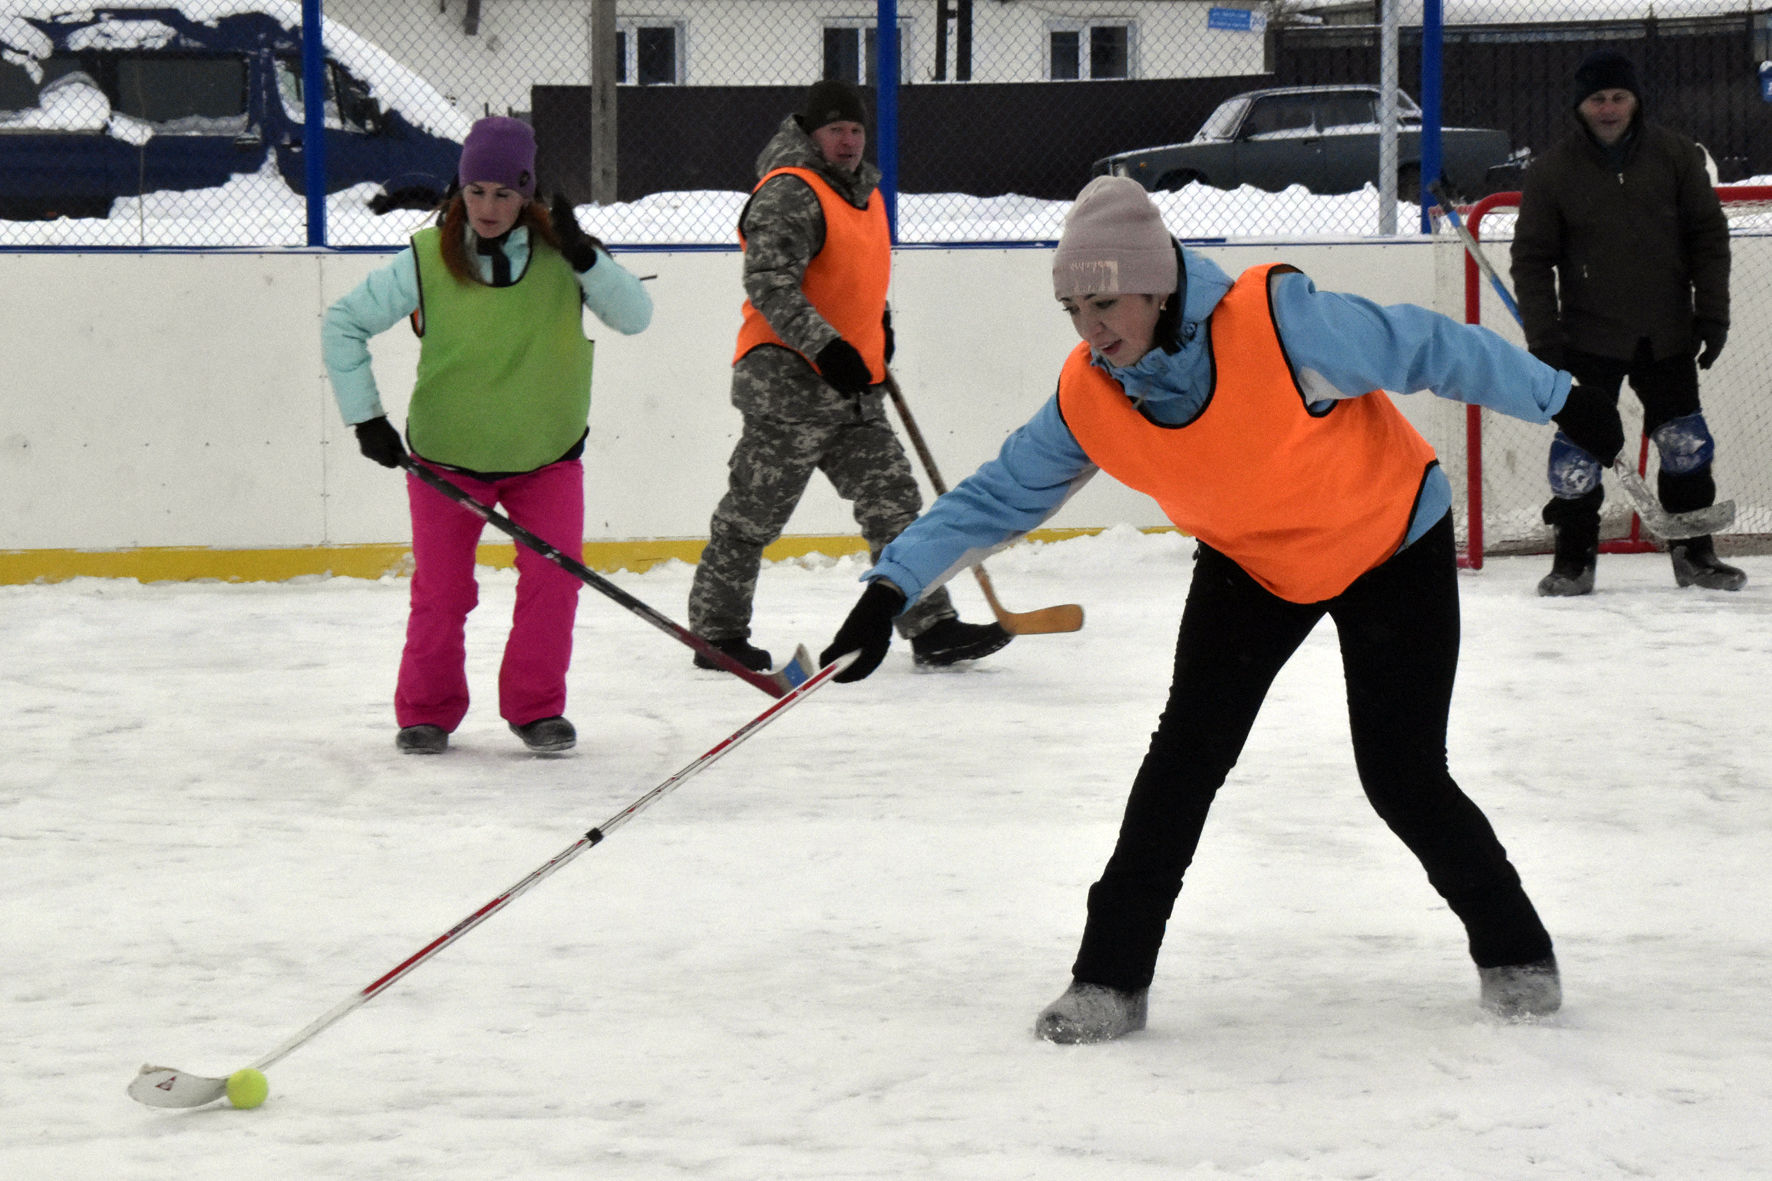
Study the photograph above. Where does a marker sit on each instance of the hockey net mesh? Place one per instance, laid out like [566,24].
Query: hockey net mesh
[1509,457]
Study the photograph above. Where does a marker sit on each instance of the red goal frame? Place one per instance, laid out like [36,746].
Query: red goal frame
[1634,541]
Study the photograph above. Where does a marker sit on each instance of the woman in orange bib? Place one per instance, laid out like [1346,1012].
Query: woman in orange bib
[1252,410]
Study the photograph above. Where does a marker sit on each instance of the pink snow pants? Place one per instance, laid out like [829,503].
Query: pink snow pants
[433,688]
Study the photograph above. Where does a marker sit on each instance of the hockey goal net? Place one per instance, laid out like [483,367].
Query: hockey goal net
[1498,468]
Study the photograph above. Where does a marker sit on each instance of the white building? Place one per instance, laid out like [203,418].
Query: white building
[488,53]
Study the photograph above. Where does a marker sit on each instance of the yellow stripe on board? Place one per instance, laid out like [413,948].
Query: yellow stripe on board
[193,563]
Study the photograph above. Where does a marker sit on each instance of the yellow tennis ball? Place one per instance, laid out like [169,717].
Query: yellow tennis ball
[247,1088]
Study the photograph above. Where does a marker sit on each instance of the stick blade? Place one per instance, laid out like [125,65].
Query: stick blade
[162,1086]
[1067,617]
[796,672]
[1699,522]
[1670,526]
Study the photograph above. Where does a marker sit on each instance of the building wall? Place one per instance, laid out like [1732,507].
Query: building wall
[524,43]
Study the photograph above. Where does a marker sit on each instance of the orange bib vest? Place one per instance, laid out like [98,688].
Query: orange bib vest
[1306,503]
[846,281]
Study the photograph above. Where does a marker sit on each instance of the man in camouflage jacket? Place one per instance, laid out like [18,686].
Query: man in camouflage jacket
[816,250]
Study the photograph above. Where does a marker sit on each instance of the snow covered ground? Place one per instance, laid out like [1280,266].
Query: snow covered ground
[821,958]
[261,211]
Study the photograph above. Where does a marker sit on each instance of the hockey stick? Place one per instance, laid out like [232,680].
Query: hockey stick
[164,1086]
[1476,252]
[775,682]
[1665,525]
[1046,620]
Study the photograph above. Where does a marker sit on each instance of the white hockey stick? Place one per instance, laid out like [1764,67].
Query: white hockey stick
[1699,522]
[164,1086]
[1657,520]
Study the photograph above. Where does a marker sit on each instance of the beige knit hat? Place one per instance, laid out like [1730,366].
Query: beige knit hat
[1114,243]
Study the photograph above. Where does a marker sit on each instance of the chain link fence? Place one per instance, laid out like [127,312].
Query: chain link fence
[146,123]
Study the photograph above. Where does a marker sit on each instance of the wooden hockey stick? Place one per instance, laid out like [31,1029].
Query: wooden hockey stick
[1658,520]
[1067,617]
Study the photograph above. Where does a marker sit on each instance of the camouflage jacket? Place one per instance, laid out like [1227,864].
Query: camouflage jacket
[784,230]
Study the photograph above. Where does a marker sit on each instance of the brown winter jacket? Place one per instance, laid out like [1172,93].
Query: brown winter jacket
[1641,252]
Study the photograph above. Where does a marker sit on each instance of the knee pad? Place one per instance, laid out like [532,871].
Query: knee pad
[1685,444]
[1573,472]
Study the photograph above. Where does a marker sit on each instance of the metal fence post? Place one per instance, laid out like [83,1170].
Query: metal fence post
[313,84]
[604,174]
[1432,67]
[886,106]
[1387,117]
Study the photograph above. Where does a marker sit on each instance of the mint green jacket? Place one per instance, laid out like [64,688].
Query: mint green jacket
[389,295]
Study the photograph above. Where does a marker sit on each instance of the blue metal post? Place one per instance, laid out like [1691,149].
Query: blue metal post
[313,88]
[886,106]
[1431,69]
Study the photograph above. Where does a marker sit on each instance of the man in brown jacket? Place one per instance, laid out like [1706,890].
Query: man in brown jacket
[1621,267]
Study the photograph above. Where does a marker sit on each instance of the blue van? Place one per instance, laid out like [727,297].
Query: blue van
[125,99]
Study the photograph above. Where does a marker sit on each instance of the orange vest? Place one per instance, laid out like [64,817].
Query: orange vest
[1306,503]
[845,282]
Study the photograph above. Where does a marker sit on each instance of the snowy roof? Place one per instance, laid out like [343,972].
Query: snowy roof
[1512,12]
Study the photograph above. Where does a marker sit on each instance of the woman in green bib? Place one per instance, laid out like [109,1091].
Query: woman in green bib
[496,293]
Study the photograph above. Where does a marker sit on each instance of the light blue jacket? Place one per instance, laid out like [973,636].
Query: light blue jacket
[389,294]
[1340,346]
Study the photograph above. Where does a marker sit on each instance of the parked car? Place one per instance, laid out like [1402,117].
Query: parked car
[1322,137]
[129,97]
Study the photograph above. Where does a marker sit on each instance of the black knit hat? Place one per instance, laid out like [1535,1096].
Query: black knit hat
[831,101]
[1604,69]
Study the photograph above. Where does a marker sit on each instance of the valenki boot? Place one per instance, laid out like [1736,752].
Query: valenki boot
[1696,564]
[1572,569]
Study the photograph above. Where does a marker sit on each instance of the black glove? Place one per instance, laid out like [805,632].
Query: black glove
[867,630]
[378,440]
[406,197]
[841,366]
[1712,336]
[1590,420]
[577,247]
[891,342]
[1551,354]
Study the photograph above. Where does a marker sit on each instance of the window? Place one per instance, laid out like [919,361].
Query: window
[1222,123]
[649,54]
[1279,113]
[190,94]
[1347,110]
[56,94]
[349,106]
[18,90]
[1077,50]
[852,49]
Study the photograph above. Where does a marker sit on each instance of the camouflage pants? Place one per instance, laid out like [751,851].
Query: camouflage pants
[769,471]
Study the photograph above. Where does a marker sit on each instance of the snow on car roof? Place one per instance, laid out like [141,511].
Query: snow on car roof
[388,80]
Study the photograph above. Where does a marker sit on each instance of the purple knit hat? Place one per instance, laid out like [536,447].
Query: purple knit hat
[499,151]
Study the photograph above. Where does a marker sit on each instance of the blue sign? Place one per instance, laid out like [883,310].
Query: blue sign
[1237,20]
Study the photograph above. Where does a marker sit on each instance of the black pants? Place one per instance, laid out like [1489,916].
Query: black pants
[1399,631]
[1668,389]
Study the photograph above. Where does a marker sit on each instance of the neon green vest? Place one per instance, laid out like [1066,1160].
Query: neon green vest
[504,373]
